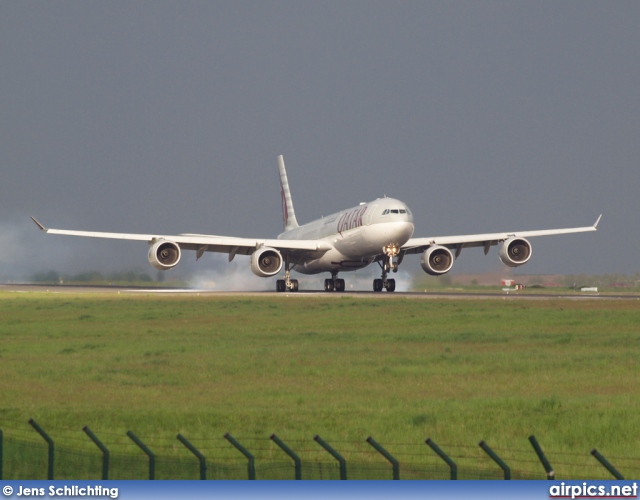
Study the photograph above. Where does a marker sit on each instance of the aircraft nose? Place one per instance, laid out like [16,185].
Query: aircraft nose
[408,214]
[408,230]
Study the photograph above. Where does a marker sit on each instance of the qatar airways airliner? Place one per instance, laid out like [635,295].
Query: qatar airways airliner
[379,231]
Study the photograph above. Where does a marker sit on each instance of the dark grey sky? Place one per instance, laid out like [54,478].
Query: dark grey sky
[152,116]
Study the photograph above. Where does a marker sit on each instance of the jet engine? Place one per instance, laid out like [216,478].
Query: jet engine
[164,255]
[436,260]
[515,251]
[266,262]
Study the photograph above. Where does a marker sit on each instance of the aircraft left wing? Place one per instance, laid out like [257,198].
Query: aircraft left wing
[206,243]
[457,243]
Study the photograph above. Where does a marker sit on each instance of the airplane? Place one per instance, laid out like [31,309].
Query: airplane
[379,231]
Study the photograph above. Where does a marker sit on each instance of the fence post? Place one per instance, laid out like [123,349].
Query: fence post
[394,463]
[545,463]
[606,464]
[334,454]
[103,449]
[452,465]
[251,466]
[147,451]
[496,459]
[288,451]
[196,452]
[49,441]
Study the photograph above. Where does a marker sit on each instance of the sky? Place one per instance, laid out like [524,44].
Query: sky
[167,117]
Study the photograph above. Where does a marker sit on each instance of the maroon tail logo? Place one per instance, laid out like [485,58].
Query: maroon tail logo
[285,211]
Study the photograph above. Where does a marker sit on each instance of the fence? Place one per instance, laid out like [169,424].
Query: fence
[85,456]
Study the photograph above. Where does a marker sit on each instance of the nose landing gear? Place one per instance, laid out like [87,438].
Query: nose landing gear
[389,263]
[387,283]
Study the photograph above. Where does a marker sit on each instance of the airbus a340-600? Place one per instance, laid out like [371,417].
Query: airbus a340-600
[379,231]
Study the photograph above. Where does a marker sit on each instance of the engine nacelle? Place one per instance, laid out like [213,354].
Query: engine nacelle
[515,251]
[266,262]
[164,255]
[436,260]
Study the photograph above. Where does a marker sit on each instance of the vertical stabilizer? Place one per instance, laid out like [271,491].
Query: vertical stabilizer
[288,214]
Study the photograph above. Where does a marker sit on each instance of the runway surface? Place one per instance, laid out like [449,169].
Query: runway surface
[511,295]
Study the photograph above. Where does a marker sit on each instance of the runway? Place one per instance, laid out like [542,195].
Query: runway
[133,290]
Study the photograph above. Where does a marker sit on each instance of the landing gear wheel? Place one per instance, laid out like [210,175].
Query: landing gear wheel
[377,285]
[338,285]
[328,285]
[280,286]
[394,267]
[391,285]
[294,285]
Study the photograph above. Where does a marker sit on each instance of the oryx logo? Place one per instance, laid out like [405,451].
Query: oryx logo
[285,210]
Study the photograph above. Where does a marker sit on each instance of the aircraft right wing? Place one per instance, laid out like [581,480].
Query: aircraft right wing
[201,243]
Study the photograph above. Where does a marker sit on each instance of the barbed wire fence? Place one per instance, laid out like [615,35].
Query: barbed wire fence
[34,452]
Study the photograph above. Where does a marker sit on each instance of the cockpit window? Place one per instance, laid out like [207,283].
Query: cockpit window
[395,211]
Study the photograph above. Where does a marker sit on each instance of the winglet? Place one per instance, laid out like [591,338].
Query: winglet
[595,226]
[39,225]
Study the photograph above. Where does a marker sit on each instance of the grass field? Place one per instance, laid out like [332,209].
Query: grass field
[345,368]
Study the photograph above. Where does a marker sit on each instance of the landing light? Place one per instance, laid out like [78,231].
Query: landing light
[393,249]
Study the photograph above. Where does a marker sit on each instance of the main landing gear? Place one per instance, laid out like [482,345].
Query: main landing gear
[287,284]
[281,285]
[389,264]
[334,284]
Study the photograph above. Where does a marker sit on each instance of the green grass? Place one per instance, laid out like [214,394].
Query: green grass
[345,368]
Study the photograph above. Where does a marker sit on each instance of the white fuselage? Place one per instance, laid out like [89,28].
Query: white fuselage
[356,235]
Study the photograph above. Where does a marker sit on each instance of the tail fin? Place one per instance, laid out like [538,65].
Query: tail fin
[288,214]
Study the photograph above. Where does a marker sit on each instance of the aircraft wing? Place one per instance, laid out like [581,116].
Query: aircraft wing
[418,245]
[206,243]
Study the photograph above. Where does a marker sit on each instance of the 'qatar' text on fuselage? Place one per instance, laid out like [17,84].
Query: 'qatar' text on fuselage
[351,220]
